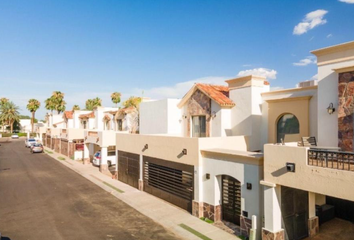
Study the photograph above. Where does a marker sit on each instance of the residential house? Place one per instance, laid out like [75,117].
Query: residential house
[307,186]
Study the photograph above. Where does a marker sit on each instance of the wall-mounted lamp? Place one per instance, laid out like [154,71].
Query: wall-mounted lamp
[249,186]
[146,146]
[97,140]
[184,116]
[207,176]
[290,167]
[213,114]
[331,109]
[184,151]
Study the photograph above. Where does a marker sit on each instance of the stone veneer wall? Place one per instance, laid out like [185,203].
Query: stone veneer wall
[71,149]
[212,212]
[245,225]
[345,110]
[266,235]
[199,104]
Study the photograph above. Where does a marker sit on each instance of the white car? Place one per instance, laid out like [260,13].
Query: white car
[111,158]
[14,136]
[29,142]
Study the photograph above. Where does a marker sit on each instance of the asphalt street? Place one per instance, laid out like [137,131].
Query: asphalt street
[42,199]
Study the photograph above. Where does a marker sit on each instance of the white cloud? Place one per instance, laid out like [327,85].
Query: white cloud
[179,89]
[306,61]
[347,1]
[314,77]
[310,21]
[276,88]
[264,72]
[329,35]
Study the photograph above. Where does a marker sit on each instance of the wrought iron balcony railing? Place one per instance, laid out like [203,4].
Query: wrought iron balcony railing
[331,159]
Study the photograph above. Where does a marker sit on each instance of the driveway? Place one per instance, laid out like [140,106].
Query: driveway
[335,229]
[42,199]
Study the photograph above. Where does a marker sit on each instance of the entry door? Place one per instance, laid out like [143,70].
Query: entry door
[128,168]
[231,199]
[294,208]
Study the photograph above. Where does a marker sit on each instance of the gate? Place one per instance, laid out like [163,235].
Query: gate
[231,199]
[56,145]
[49,142]
[128,168]
[294,208]
[170,181]
[44,138]
[64,147]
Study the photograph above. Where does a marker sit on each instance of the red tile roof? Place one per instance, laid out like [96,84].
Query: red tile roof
[68,114]
[88,115]
[218,93]
[107,118]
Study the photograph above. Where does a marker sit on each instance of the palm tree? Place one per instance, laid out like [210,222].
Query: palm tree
[56,102]
[49,104]
[92,103]
[9,114]
[116,98]
[76,107]
[132,102]
[3,101]
[32,106]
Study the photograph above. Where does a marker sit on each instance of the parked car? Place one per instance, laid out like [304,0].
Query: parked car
[14,136]
[37,148]
[29,142]
[111,158]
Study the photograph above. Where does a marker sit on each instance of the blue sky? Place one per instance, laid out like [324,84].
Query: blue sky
[89,49]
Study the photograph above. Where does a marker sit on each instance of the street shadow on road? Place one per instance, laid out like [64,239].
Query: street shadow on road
[5,238]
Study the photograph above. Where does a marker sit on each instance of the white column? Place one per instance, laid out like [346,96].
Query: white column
[141,167]
[86,159]
[272,208]
[312,205]
[103,160]
[117,161]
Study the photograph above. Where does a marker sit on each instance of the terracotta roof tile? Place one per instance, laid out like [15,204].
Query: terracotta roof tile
[220,94]
[88,115]
[68,114]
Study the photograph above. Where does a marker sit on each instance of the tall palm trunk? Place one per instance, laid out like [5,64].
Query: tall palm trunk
[32,121]
[11,126]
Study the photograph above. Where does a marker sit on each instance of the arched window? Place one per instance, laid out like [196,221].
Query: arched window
[287,124]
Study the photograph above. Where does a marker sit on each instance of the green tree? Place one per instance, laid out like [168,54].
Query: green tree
[115,97]
[56,102]
[92,103]
[132,102]
[32,106]
[9,114]
[49,104]
[76,107]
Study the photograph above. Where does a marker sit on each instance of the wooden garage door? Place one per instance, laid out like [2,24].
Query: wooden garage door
[44,138]
[231,199]
[128,168]
[64,147]
[173,182]
[49,142]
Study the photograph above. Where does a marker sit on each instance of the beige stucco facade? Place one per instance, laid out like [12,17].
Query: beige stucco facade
[298,106]
[325,181]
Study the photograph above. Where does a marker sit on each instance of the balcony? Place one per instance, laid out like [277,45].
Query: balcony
[331,159]
[103,138]
[327,172]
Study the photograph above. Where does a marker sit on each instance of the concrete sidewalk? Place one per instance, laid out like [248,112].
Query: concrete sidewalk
[169,216]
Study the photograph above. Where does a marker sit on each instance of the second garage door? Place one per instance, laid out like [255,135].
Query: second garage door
[128,168]
[170,181]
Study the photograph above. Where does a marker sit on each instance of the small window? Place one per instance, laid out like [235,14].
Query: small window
[113,153]
[198,126]
[84,124]
[287,124]
[120,124]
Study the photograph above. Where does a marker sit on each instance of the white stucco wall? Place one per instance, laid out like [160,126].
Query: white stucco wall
[218,165]
[328,93]
[160,117]
[246,116]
